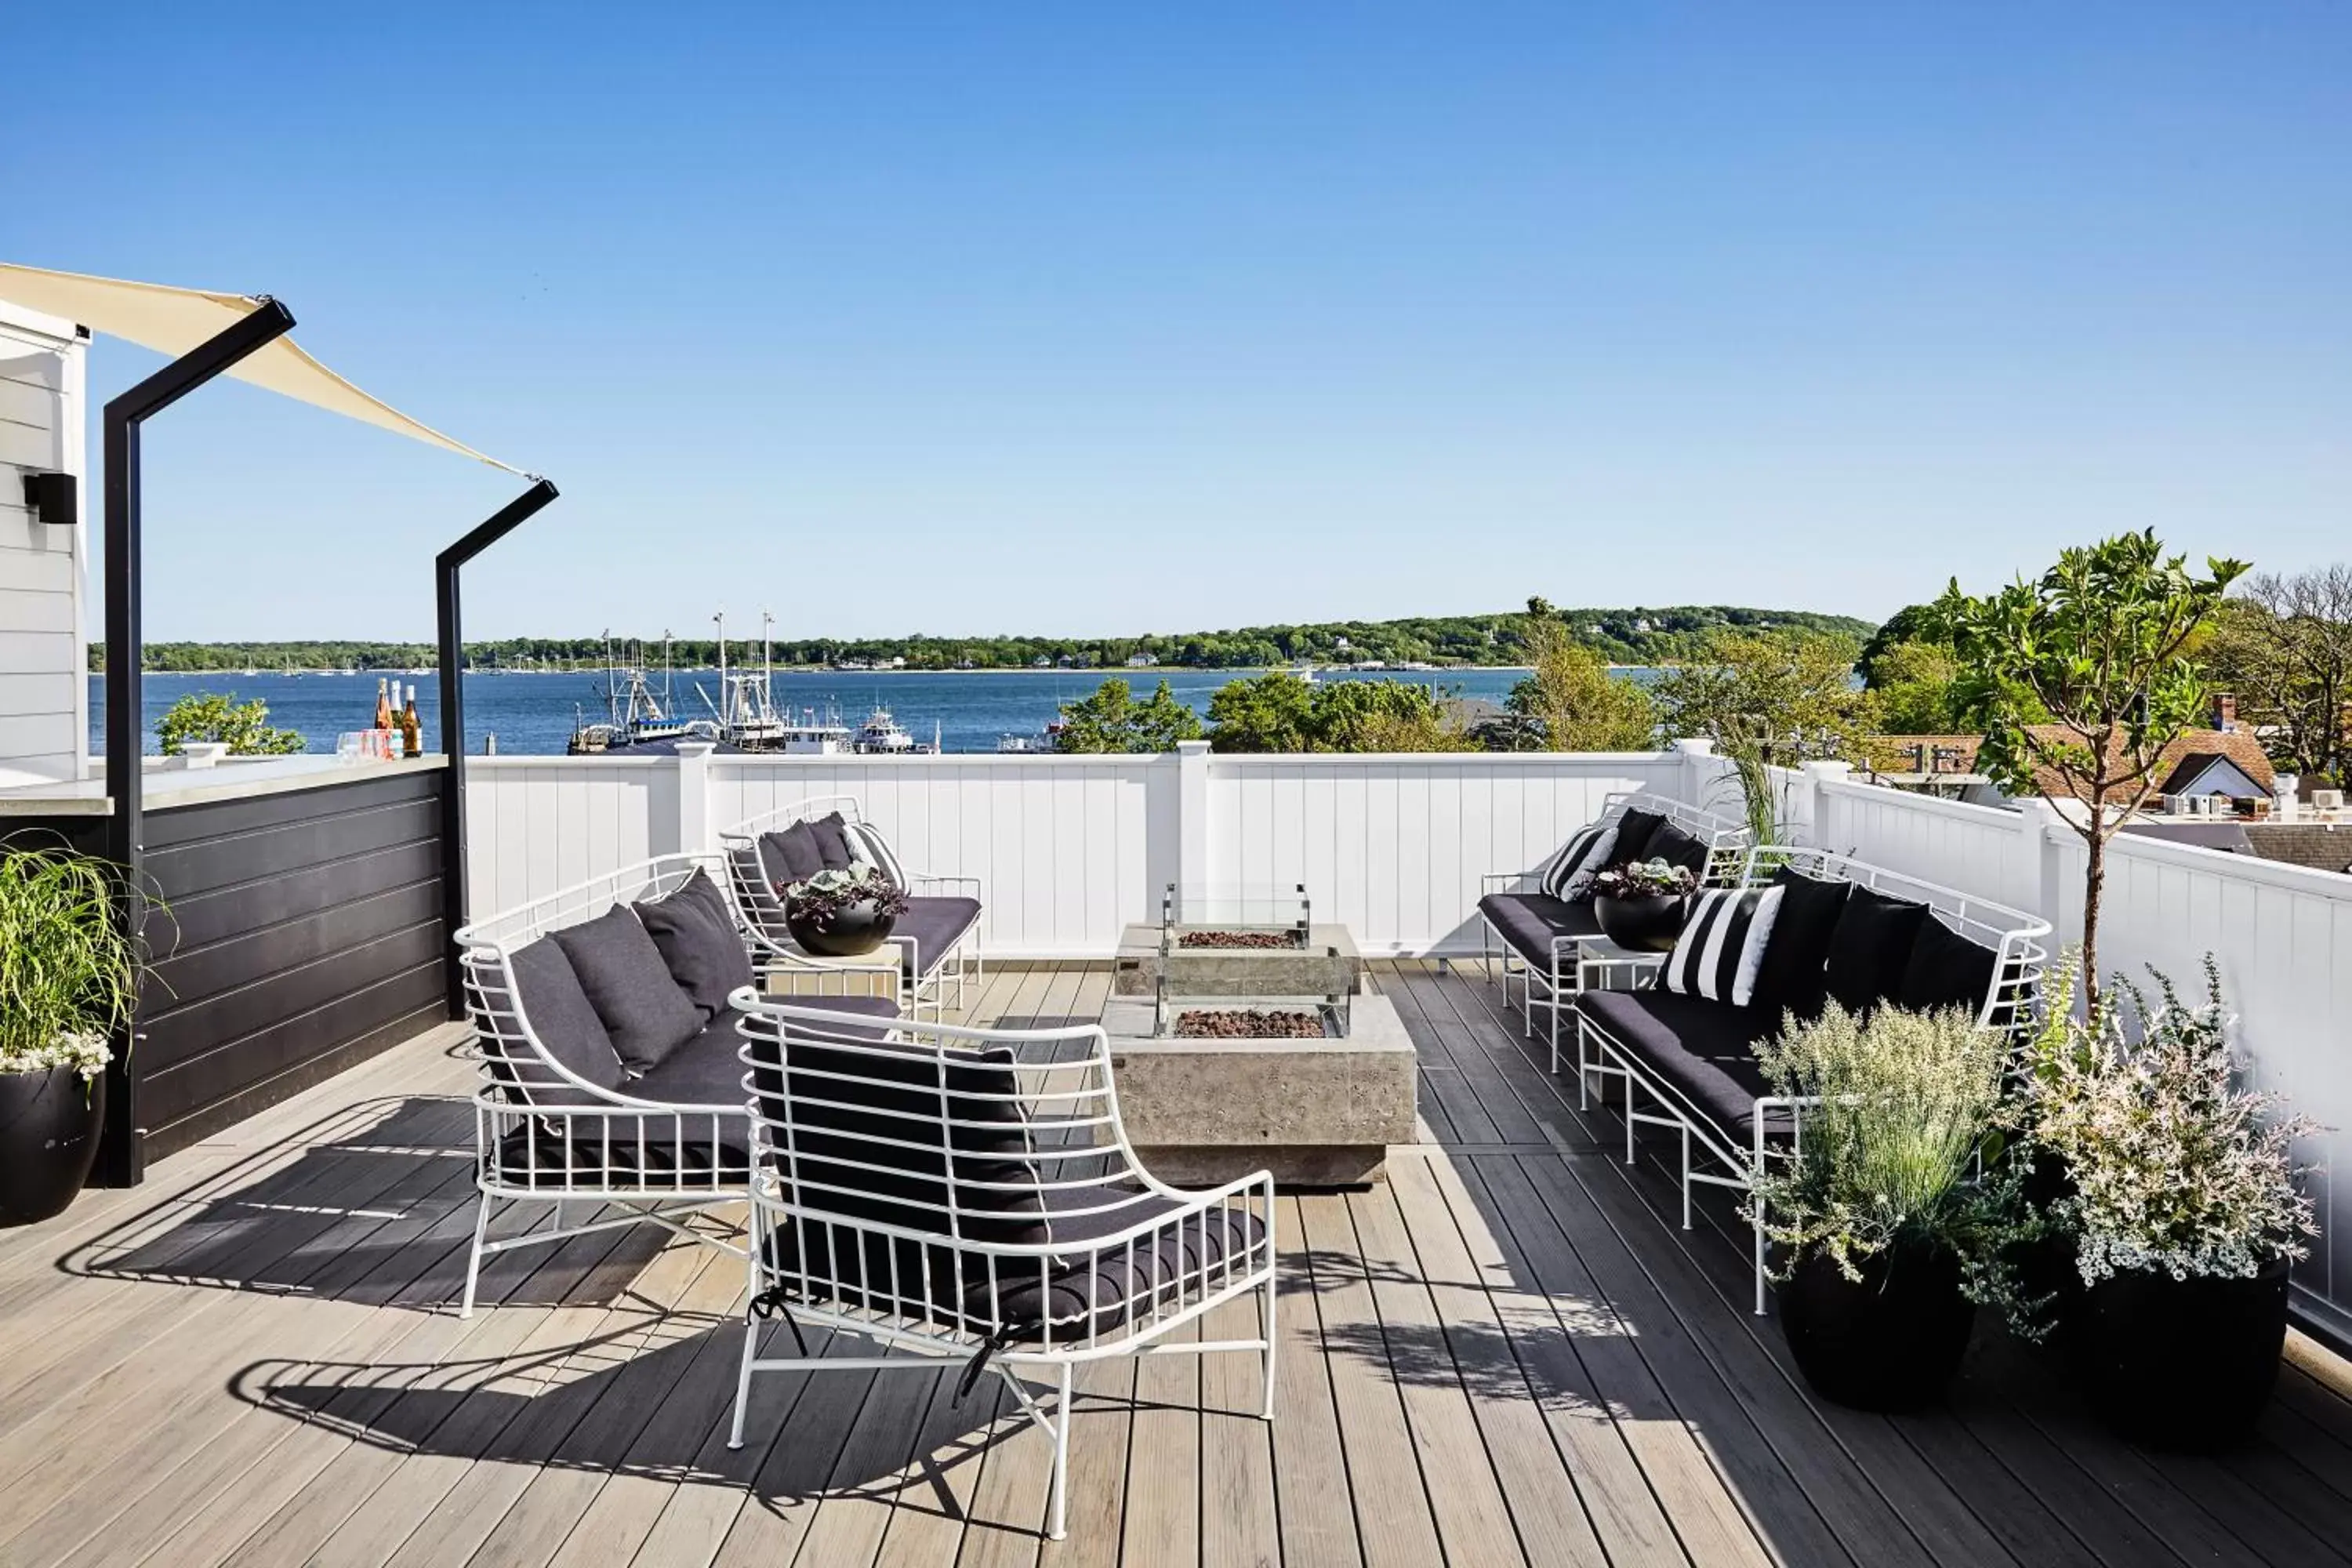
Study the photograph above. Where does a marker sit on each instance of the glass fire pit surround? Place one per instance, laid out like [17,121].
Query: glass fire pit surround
[1247,962]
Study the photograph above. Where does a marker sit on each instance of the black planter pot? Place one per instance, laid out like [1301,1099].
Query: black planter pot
[1890,1341]
[2181,1363]
[48,1135]
[1648,923]
[858,929]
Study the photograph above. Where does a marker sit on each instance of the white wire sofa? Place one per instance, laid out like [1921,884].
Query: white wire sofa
[1540,936]
[935,944]
[1688,1063]
[560,1118]
[969,1195]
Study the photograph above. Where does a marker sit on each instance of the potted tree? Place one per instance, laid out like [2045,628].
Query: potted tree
[2185,1213]
[1641,905]
[67,977]
[843,913]
[1895,1212]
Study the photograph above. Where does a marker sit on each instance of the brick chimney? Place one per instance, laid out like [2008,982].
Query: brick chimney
[2225,711]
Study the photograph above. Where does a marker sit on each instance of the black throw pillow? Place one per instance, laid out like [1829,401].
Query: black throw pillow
[1676,847]
[1945,970]
[1870,948]
[1636,829]
[1790,979]
[621,970]
[697,944]
[791,855]
[560,1017]
[832,837]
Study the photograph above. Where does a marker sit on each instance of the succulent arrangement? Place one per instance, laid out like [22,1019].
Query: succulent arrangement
[1644,879]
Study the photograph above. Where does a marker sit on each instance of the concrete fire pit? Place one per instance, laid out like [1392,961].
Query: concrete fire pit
[1317,1112]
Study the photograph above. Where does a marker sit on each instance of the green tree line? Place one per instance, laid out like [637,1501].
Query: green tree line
[1667,635]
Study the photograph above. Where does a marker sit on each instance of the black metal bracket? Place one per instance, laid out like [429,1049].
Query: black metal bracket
[450,624]
[122,1154]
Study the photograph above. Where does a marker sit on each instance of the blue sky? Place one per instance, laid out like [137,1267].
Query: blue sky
[1089,317]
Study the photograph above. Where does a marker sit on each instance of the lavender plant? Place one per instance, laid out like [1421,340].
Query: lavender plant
[2177,1166]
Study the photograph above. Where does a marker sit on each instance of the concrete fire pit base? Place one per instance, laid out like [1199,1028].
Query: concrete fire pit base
[1317,1113]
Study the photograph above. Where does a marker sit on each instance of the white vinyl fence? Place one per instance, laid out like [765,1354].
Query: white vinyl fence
[1070,849]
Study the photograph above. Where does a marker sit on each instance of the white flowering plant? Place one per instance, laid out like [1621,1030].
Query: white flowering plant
[2175,1166]
[1903,1146]
[69,975]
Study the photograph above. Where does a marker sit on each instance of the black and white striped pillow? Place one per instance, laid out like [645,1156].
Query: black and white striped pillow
[1569,875]
[867,838]
[1722,948]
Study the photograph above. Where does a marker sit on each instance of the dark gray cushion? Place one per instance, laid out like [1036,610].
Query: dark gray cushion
[1702,1052]
[832,838]
[560,1014]
[1528,921]
[1945,970]
[791,855]
[1791,978]
[643,1010]
[935,924]
[1870,948]
[1636,829]
[1676,847]
[697,938]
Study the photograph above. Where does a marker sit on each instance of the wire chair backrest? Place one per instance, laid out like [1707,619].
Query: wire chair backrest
[2017,938]
[513,1054]
[1726,839]
[751,879]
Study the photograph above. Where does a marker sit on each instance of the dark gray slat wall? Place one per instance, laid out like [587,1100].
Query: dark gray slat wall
[305,931]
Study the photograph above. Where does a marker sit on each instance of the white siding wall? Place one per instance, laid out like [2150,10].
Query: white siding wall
[1980,848]
[43,697]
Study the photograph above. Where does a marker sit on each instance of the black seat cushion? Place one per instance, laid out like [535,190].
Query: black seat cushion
[935,925]
[643,1009]
[1676,847]
[1027,1298]
[1790,979]
[1870,948]
[791,855]
[1702,1052]
[830,836]
[1636,829]
[1945,970]
[696,934]
[1529,922]
[560,1015]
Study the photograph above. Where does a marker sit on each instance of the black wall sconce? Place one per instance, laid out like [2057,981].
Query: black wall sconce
[52,499]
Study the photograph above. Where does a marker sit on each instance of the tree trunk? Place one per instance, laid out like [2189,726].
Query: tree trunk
[2094,878]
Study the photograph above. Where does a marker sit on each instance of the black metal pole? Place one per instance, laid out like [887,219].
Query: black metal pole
[121,1156]
[450,623]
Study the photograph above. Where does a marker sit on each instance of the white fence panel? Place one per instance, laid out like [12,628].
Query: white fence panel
[1067,850]
[1393,847]
[536,827]
[1980,848]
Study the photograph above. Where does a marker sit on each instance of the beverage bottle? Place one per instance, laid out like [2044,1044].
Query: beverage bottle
[411,736]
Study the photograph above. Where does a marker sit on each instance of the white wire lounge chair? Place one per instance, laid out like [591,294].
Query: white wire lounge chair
[559,1118]
[935,944]
[969,1195]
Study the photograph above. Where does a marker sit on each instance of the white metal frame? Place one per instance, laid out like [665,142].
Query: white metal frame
[1727,841]
[2016,937]
[1070,1105]
[602,1152]
[935,982]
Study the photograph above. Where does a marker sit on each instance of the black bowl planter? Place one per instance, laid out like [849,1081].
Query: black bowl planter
[2182,1364]
[858,929]
[49,1136]
[1890,1341]
[1648,923]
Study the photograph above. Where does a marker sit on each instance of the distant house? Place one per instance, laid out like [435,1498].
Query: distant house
[1141,660]
[1041,662]
[2223,762]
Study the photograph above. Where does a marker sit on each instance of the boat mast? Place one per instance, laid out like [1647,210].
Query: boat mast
[726,696]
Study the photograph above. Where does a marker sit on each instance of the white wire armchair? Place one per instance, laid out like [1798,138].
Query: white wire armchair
[936,945]
[969,1195]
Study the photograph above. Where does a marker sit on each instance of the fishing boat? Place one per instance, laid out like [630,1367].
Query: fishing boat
[634,713]
[746,714]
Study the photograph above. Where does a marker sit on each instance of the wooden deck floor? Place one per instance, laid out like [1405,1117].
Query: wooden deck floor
[1509,1353]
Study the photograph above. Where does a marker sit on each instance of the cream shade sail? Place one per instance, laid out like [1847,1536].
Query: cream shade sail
[173,321]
